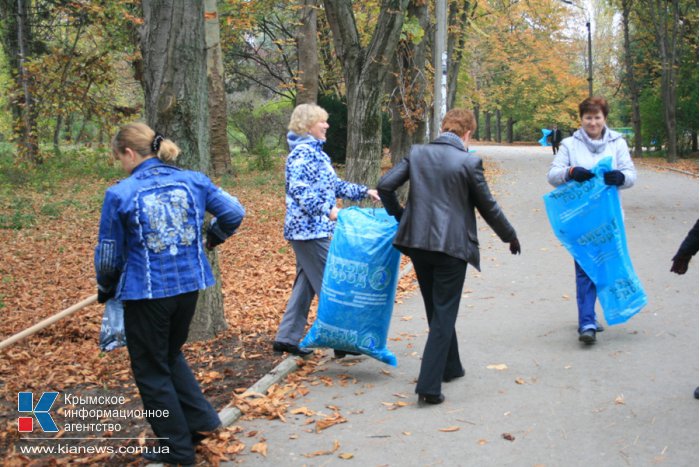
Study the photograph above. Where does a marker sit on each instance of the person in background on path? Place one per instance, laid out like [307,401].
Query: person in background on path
[688,249]
[150,254]
[556,139]
[312,188]
[579,153]
[437,230]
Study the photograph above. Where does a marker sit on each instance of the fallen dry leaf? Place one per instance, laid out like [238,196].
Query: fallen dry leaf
[327,422]
[482,442]
[336,446]
[508,436]
[303,410]
[620,400]
[346,455]
[260,448]
[497,366]
[449,429]
[519,380]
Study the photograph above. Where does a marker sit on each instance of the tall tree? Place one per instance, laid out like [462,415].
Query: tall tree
[219,151]
[459,14]
[665,19]
[363,68]
[307,50]
[176,100]
[631,80]
[18,44]
[407,83]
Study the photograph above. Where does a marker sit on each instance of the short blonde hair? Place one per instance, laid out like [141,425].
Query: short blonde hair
[305,116]
[458,121]
[139,137]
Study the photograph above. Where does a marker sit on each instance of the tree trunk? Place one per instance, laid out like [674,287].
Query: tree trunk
[28,137]
[487,126]
[498,125]
[667,43]
[176,104]
[363,69]
[632,86]
[406,86]
[476,118]
[307,49]
[455,48]
[218,118]
[509,130]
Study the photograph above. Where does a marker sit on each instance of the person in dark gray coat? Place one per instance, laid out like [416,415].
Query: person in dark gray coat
[437,230]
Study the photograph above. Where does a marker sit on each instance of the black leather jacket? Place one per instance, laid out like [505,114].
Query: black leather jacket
[446,184]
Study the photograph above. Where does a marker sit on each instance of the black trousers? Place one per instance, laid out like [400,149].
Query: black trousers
[440,278]
[155,332]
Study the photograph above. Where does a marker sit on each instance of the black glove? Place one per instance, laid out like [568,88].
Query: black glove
[213,240]
[515,246]
[580,174]
[680,264]
[614,177]
[103,296]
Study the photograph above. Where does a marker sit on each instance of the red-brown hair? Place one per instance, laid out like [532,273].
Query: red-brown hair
[458,121]
[592,105]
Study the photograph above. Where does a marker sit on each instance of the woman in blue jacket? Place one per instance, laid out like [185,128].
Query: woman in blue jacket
[311,187]
[150,254]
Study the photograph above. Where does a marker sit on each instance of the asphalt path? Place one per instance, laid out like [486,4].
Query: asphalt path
[532,394]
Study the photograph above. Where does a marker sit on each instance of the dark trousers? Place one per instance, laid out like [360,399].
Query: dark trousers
[155,332]
[440,278]
[555,147]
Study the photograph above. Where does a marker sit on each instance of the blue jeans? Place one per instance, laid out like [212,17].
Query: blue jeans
[585,298]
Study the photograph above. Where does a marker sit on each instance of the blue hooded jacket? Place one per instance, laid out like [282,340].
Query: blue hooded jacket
[312,187]
[150,239]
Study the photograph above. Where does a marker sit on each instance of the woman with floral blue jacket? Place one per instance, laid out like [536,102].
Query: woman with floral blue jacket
[312,188]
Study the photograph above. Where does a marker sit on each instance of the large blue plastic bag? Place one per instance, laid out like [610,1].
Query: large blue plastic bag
[545,134]
[587,218]
[359,285]
[112,334]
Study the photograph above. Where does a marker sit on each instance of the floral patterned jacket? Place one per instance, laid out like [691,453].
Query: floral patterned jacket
[150,239]
[312,188]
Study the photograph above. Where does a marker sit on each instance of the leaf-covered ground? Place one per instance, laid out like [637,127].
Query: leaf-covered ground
[46,266]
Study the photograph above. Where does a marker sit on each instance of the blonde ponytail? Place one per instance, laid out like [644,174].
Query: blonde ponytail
[141,138]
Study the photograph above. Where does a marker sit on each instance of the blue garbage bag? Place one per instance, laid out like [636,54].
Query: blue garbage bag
[112,333]
[587,218]
[359,285]
[543,141]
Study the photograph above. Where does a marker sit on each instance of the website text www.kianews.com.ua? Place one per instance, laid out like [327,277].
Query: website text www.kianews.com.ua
[67,449]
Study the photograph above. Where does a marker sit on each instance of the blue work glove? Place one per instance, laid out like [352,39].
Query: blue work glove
[614,177]
[580,174]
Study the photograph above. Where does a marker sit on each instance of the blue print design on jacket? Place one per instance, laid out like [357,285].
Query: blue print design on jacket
[168,222]
[312,188]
